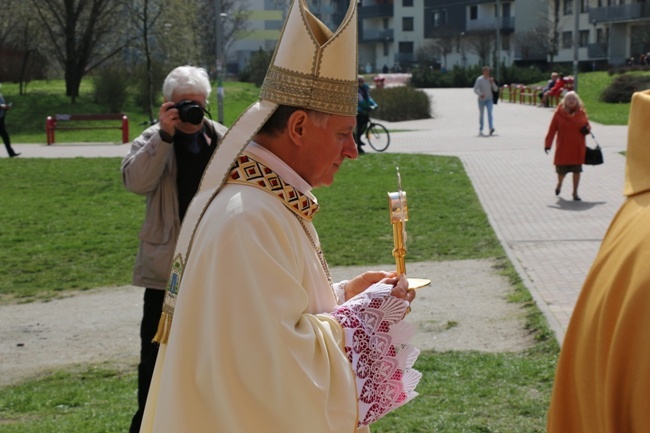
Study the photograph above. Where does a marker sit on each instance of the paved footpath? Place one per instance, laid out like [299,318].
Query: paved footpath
[551,240]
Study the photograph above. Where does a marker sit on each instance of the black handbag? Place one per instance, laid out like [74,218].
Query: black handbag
[594,156]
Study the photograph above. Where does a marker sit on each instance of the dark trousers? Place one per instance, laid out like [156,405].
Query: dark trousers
[362,123]
[5,137]
[153,302]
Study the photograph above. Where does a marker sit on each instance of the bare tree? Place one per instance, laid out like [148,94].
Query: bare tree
[20,33]
[532,44]
[551,31]
[444,38]
[82,35]
[427,54]
[144,15]
[480,43]
[236,25]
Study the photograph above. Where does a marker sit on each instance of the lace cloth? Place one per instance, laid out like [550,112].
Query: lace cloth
[376,343]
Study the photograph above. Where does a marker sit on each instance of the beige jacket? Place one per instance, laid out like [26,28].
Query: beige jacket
[149,169]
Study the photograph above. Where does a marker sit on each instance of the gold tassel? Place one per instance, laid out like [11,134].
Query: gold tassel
[164,326]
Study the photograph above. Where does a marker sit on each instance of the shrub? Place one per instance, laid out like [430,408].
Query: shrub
[516,74]
[111,85]
[141,94]
[257,66]
[623,87]
[425,77]
[401,103]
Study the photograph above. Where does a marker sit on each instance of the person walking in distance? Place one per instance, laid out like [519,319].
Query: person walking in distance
[165,163]
[4,107]
[570,124]
[484,86]
[365,104]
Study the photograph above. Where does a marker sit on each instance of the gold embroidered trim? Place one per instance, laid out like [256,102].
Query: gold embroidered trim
[247,171]
[286,87]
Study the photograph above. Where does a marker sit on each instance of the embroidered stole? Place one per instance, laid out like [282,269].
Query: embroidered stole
[245,171]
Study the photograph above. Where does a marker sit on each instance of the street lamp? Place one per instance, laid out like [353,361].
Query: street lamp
[497,41]
[462,50]
[220,16]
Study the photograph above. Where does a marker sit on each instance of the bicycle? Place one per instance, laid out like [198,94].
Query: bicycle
[377,136]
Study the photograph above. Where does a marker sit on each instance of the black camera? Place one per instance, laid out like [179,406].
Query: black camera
[190,111]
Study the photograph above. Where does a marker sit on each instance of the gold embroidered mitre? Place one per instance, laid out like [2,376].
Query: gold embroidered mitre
[313,67]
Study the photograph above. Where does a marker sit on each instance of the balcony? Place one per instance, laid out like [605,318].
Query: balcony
[597,51]
[384,35]
[376,11]
[404,58]
[619,13]
[507,24]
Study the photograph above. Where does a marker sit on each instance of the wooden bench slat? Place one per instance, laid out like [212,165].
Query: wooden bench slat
[72,117]
[53,123]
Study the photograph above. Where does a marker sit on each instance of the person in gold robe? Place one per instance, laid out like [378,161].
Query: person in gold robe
[254,335]
[602,383]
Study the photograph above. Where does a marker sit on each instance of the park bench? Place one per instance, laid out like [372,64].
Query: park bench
[60,122]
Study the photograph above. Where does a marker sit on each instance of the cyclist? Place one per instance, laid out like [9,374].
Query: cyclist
[365,105]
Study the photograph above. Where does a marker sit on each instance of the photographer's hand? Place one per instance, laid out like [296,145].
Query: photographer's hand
[168,117]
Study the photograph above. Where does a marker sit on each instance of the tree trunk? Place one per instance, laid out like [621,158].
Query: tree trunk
[72,83]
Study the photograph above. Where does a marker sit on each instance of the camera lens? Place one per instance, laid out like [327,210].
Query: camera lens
[190,112]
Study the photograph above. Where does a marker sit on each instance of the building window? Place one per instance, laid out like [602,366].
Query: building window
[385,23]
[568,7]
[505,10]
[406,47]
[473,12]
[385,48]
[584,7]
[600,36]
[407,3]
[584,38]
[567,39]
[407,24]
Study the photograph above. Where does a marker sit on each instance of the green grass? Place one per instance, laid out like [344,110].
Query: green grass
[590,86]
[95,399]
[26,120]
[68,224]
[71,225]
[459,392]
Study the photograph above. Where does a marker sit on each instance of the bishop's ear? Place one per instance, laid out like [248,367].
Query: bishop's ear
[297,126]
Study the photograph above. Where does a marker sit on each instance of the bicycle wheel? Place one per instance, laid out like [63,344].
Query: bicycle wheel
[378,136]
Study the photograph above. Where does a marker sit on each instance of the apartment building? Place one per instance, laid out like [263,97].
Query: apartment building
[397,34]
[444,33]
[265,23]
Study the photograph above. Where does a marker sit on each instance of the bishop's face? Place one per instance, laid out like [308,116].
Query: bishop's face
[329,144]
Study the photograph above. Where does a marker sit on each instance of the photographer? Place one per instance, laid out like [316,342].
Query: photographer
[165,164]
